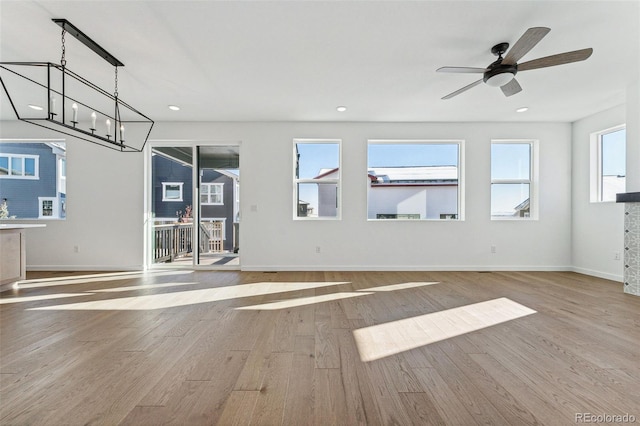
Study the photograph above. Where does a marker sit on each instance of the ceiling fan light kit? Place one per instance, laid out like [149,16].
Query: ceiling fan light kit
[502,72]
[498,78]
[72,104]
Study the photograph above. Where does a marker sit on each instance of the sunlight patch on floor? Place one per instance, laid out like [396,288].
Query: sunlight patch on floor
[190,297]
[143,287]
[383,340]
[7,300]
[395,287]
[90,278]
[302,301]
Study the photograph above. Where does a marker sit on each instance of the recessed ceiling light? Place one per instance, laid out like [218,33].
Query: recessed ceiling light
[523,109]
[341,109]
[36,107]
[174,108]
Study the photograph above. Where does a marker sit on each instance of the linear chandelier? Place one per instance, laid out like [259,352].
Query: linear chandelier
[52,96]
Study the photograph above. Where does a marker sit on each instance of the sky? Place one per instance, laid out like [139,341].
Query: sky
[613,153]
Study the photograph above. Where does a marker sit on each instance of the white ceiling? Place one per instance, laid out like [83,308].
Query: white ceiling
[299,60]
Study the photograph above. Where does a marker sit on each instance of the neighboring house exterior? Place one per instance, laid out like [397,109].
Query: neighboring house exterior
[523,209]
[304,208]
[33,179]
[429,192]
[219,201]
[172,194]
[172,183]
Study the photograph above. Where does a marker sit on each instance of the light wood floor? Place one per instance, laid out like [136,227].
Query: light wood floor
[323,348]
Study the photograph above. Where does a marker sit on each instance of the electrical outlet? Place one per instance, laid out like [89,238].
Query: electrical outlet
[317,249]
[616,255]
[493,249]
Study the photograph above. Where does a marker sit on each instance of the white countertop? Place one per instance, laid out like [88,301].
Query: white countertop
[21,225]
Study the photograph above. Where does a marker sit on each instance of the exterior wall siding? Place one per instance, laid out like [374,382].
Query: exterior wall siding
[221,211]
[14,190]
[427,201]
[165,170]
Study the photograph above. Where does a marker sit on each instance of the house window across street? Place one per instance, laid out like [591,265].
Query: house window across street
[211,193]
[16,166]
[172,191]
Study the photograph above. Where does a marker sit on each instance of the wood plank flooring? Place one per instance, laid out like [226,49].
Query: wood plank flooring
[317,348]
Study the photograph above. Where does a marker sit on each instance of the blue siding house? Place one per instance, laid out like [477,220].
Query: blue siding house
[33,179]
[172,183]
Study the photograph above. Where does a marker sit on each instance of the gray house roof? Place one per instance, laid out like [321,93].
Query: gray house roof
[422,174]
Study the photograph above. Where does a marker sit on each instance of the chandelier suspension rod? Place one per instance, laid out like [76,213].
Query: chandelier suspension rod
[87,41]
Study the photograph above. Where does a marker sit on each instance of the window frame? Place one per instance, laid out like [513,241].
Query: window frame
[297,181]
[209,202]
[164,192]
[55,208]
[22,158]
[461,175]
[533,180]
[596,185]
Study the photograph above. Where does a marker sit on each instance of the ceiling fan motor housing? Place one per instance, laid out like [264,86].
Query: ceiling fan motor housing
[500,74]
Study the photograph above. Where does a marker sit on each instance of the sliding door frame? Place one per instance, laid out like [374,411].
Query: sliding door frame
[195,211]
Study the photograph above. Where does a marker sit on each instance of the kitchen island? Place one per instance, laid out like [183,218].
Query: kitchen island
[13,252]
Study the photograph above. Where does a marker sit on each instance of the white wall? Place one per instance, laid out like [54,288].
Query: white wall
[597,228]
[105,207]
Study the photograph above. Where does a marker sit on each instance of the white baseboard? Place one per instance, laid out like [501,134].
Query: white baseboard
[599,274]
[99,268]
[258,268]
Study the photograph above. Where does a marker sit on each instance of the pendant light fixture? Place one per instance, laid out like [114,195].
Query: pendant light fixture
[72,104]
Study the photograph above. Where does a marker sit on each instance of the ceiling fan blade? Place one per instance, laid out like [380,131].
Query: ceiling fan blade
[529,39]
[464,89]
[559,59]
[463,70]
[511,88]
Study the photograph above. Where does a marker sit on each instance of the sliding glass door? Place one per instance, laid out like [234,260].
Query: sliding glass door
[218,205]
[194,206]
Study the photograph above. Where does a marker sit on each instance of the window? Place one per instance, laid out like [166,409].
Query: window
[18,166]
[414,180]
[48,208]
[30,172]
[62,173]
[211,193]
[512,183]
[172,191]
[608,152]
[316,179]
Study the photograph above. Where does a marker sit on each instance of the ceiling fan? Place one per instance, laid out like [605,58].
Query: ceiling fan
[501,73]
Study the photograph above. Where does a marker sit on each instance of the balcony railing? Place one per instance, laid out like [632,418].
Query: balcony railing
[172,241]
[175,240]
